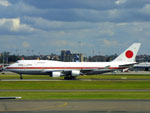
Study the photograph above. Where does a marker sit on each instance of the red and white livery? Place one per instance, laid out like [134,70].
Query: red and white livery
[70,70]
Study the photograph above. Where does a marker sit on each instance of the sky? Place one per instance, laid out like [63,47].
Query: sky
[92,27]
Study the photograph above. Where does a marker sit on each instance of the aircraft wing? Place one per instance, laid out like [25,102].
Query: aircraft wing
[81,71]
[97,71]
[128,65]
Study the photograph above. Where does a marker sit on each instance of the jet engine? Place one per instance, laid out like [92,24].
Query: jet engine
[75,73]
[56,74]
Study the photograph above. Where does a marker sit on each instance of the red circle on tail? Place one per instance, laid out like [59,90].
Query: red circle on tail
[129,54]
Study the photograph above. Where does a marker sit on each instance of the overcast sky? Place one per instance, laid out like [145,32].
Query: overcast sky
[87,26]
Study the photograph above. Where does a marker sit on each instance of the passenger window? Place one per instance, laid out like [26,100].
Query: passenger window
[20,64]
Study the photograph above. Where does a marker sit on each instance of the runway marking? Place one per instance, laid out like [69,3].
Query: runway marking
[41,108]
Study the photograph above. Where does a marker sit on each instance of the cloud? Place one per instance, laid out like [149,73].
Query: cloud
[25,44]
[120,2]
[86,4]
[55,24]
[14,26]
[4,3]
[50,25]
[20,9]
[76,11]
[146,9]
[71,4]
[91,15]
[110,43]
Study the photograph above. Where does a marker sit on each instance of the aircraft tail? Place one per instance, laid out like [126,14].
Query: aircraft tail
[129,54]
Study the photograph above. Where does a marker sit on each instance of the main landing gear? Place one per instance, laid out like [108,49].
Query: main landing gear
[69,77]
[21,77]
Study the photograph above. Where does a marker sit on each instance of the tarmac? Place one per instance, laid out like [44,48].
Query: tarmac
[74,106]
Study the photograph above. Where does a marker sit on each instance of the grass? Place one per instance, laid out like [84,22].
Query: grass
[76,85]
[79,95]
[117,76]
[16,76]
[103,77]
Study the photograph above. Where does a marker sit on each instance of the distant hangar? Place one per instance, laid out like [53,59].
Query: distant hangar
[144,66]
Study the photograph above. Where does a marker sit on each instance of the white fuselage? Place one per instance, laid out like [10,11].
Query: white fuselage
[45,66]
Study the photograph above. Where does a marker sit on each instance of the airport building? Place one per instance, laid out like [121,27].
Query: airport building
[68,56]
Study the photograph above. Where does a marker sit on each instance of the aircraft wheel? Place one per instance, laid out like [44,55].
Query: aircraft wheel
[73,78]
[21,77]
[66,78]
[70,77]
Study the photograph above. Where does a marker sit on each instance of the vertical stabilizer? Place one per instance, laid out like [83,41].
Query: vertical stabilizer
[129,54]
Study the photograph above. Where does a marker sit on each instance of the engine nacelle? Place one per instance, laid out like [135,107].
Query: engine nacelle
[75,72]
[56,74]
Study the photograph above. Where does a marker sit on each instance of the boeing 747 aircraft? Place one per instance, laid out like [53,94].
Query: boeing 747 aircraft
[70,70]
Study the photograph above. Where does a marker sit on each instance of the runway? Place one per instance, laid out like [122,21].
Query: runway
[74,106]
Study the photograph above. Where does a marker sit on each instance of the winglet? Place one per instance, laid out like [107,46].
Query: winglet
[129,54]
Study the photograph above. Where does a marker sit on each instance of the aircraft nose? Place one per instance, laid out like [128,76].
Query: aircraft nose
[8,67]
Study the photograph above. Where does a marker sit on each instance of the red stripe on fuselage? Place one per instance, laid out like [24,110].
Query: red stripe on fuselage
[65,68]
